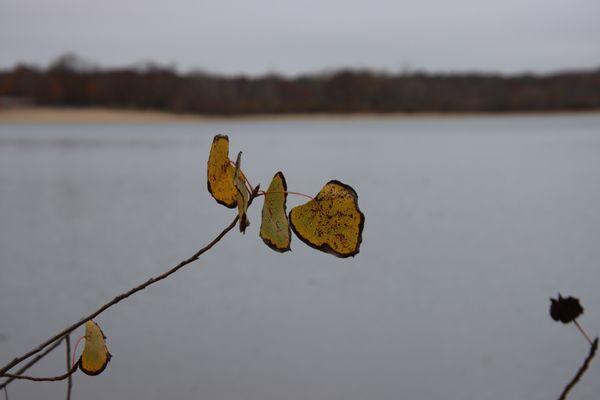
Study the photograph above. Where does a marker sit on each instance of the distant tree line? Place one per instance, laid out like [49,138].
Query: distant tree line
[70,82]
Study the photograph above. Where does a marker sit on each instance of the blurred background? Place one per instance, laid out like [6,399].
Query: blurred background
[470,131]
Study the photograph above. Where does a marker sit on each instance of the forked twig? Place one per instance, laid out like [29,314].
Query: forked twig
[45,379]
[60,335]
[31,363]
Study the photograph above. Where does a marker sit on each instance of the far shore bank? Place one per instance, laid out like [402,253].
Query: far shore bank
[102,115]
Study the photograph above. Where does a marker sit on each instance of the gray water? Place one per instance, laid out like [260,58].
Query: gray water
[471,225]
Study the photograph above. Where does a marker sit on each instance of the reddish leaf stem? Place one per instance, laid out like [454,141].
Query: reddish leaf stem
[263,193]
[75,349]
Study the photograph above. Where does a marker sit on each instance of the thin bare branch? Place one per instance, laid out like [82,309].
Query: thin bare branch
[31,363]
[48,379]
[581,370]
[116,300]
[69,379]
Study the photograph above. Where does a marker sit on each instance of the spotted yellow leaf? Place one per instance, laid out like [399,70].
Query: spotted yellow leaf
[95,354]
[275,227]
[243,194]
[332,222]
[220,173]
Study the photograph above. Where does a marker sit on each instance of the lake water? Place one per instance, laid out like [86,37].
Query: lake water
[472,224]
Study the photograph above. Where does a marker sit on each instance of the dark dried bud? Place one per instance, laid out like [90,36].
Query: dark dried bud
[566,309]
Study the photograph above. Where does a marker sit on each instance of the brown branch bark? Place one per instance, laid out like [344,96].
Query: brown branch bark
[68,352]
[581,370]
[45,379]
[119,298]
[31,363]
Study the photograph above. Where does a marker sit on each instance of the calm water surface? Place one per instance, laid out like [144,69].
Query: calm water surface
[471,225]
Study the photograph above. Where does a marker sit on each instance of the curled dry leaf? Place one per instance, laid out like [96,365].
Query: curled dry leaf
[220,173]
[242,195]
[332,222]
[95,354]
[565,309]
[275,228]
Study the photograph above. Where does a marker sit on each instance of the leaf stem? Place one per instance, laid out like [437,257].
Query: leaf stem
[248,184]
[263,193]
[75,349]
[582,331]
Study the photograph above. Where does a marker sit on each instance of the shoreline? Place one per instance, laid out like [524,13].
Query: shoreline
[104,115]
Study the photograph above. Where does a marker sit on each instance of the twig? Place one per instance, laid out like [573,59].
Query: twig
[48,379]
[116,300]
[69,379]
[581,370]
[31,363]
[5,392]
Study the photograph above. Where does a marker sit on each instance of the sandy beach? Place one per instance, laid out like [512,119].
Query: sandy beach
[89,115]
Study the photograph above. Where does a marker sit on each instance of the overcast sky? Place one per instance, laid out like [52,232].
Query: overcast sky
[304,36]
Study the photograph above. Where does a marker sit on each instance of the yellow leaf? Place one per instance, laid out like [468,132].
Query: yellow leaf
[95,354]
[243,194]
[332,222]
[275,227]
[220,173]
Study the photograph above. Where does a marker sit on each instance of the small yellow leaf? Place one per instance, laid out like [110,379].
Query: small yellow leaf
[332,222]
[95,354]
[220,173]
[243,194]
[275,227]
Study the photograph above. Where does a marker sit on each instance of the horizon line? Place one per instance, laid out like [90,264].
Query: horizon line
[85,64]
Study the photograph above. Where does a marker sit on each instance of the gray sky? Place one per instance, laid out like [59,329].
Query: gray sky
[304,36]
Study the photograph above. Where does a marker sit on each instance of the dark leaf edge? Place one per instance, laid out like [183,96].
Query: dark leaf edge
[325,247]
[228,205]
[266,240]
[108,357]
